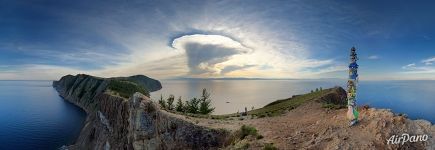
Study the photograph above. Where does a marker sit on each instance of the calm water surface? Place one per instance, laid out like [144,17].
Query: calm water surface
[33,116]
[414,98]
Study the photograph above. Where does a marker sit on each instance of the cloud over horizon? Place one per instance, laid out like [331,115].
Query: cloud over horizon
[206,53]
[426,67]
[170,39]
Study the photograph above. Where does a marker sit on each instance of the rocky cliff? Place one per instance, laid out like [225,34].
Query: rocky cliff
[116,122]
[300,122]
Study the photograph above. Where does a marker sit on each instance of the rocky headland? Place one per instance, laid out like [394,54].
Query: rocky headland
[134,122]
[121,116]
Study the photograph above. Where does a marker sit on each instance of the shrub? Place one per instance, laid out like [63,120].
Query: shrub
[247,130]
[260,137]
[245,146]
[269,146]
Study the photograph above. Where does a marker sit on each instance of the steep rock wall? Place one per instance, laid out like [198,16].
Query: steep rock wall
[136,123]
[157,129]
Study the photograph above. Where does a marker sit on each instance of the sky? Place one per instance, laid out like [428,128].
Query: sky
[293,39]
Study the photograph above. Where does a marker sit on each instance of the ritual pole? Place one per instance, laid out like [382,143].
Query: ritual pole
[352,82]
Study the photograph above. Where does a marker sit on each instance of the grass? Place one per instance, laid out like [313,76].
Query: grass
[125,88]
[275,108]
[269,146]
[280,106]
[246,130]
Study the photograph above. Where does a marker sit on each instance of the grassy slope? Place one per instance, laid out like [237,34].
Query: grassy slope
[279,106]
[288,104]
[275,108]
[125,88]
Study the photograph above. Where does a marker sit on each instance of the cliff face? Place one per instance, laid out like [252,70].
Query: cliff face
[81,90]
[157,129]
[115,122]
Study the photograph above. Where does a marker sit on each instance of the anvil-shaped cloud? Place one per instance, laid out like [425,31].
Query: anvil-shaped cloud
[206,53]
[211,39]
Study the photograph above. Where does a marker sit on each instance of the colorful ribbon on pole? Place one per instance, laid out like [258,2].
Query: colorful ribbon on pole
[352,112]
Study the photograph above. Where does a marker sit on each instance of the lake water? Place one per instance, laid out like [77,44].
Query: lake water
[33,116]
[414,98]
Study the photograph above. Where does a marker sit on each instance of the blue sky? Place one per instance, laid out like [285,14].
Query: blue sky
[169,39]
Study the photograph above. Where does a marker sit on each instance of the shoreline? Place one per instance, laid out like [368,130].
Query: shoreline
[118,123]
[235,125]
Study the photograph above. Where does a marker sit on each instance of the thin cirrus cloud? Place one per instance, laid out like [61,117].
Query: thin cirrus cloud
[426,67]
[373,57]
[428,61]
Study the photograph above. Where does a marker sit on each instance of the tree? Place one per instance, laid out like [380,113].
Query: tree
[321,89]
[170,102]
[312,91]
[205,103]
[317,89]
[162,102]
[179,107]
[192,105]
[186,107]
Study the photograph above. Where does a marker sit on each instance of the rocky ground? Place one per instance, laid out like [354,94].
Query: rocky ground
[312,127]
[300,122]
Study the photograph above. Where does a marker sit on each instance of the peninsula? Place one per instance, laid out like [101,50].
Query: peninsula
[122,116]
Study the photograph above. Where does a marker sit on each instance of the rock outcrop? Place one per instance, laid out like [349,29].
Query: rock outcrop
[337,97]
[116,122]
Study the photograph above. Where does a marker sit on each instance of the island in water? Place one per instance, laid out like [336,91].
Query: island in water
[120,115]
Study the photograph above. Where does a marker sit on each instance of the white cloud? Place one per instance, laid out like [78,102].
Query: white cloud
[428,61]
[409,66]
[423,71]
[415,69]
[240,41]
[373,57]
[206,53]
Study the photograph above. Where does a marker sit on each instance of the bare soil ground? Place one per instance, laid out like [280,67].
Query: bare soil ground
[312,127]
